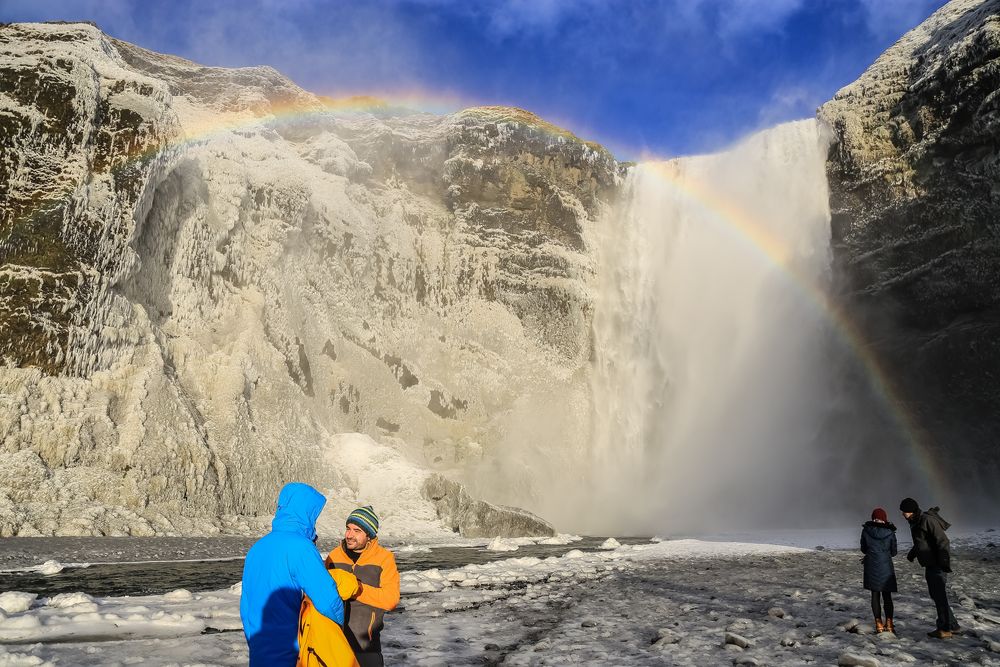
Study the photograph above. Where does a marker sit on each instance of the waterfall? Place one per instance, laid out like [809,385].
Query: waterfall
[709,333]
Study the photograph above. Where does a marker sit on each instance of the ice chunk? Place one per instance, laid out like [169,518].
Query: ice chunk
[50,567]
[64,600]
[855,660]
[180,595]
[14,602]
[501,544]
[738,640]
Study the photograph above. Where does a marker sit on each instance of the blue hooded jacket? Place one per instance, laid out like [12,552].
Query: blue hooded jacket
[279,568]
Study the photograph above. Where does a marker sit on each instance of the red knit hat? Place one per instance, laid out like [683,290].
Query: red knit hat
[878,514]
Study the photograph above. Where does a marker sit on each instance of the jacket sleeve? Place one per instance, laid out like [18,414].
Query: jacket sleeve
[892,546]
[317,583]
[385,596]
[864,543]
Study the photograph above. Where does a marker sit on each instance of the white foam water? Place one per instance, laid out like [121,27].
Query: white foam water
[709,333]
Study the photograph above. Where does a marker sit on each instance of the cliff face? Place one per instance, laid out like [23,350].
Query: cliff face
[209,278]
[208,272]
[915,197]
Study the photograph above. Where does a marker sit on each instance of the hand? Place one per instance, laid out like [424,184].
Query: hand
[911,557]
[347,584]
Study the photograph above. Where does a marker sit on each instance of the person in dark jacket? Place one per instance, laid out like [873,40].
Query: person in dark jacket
[878,544]
[279,568]
[932,550]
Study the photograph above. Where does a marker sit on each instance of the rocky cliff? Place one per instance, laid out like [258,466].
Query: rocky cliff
[212,281]
[915,198]
[208,272]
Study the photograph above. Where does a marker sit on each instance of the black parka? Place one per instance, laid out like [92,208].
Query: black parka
[931,546]
[878,543]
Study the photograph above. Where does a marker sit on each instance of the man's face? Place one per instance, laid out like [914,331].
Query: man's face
[355,538]
[907,515]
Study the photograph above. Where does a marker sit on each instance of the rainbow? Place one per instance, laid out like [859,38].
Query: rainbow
[196,129]
[771,249]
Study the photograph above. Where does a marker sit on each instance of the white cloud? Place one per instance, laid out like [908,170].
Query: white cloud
[891,18]
[726,18]
[113,16]
[790,103]
[741,17]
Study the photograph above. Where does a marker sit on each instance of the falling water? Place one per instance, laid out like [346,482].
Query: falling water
[709,335]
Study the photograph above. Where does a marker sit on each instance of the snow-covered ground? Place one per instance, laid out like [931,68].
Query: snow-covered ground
[665,602]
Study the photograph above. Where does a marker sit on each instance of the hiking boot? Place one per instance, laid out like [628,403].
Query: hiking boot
[879,626]
[889,627]
[940,634]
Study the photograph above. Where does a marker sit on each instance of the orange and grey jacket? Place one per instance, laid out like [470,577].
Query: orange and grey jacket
[376,570]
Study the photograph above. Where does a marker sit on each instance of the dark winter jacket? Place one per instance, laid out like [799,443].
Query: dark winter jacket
[931,547]
[878,544]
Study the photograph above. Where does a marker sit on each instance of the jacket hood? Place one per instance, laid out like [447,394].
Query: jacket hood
[299,506]
[933,512]
[876,529]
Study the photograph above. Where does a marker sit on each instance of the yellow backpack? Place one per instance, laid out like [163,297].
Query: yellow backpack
[321,641]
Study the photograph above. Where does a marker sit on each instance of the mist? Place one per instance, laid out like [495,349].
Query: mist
[713,336]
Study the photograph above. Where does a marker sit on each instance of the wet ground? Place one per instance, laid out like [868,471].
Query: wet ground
[790,609]
[795,609]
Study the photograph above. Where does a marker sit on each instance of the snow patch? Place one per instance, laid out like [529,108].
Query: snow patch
[13,602]
[501,544]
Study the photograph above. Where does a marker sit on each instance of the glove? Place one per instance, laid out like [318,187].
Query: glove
[910,557]
[347,584]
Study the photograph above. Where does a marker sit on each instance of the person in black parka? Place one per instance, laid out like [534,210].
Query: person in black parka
[932,549]
[878,544]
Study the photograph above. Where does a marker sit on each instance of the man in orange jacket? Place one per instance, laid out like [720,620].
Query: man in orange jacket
[358,556]
[375,568]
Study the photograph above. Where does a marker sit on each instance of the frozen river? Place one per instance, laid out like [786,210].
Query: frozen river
[153,566]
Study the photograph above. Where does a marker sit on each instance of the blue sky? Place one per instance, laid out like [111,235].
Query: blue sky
[660,77]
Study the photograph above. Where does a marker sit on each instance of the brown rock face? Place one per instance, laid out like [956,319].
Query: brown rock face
[915,198]
[79,147]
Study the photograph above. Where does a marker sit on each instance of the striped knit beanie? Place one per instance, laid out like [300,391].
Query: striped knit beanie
[365,519]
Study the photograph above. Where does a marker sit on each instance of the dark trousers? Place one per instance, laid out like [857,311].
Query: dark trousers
[370,659]
[936,581]
[877,598]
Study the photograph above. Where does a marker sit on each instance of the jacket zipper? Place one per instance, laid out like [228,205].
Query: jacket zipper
[316,655]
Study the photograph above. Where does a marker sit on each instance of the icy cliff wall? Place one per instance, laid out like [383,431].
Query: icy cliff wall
[207,273]
[914,196]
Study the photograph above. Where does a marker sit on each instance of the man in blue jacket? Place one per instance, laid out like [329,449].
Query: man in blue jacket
[279,568]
